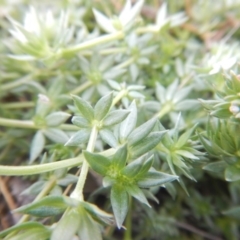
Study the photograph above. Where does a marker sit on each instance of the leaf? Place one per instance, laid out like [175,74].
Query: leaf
[103,22]
[37,145]
[68,225]
[115,117]
[147,144]
[34,189]
[186,154]
[56,135]
[84,108]
[155,178]
[127,126]
[80,122]
[108,137]
[89,229]
[56,118]
[137,168]
[185,137]
[98,214]
[24,227]
[40,234]
[79,138]
[141,132]
[119,159]
[217,167]
[137,193]
[97,162]
[119,201]
[48,206]
[233,212]
[102,107]
[232,173]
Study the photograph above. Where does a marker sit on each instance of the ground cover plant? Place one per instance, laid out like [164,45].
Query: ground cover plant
[119,119]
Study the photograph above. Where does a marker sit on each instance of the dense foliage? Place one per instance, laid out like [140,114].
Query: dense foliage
[122,119]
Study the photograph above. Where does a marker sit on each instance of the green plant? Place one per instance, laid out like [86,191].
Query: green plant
[147,109]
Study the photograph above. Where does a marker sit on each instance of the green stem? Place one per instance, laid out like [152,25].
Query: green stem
[126,63]
[82,87]
[93,43]
[17,105]
[41,168]
[166,108]
[119,96]
[78,191]
[127,233]
[6,122]
[17,82]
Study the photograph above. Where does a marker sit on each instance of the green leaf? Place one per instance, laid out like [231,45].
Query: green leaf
[233,212]
[68,225]
[119,159]
[155,178]
[185,137]
[217,167]
[97,162]
[56,118]
[115,117]
[141,132]
[56,135]
[186,154]
[84,108]
[102,107]
[48,206]
[80,122]
[232,173]
[137,193]
[147,144]
[221,113]
[89,229]
[137,168]
[24,227]
[79,137]
[108,137]
[127,126]
[37,145]
[98,214]
[120,201]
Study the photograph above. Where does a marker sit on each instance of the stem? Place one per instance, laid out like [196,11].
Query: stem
[119,96]
[126,63]
[81,88]
[17,83]
[17,105]
[78,191]
[127,233]
[93,42]
[41,168]
[30,124]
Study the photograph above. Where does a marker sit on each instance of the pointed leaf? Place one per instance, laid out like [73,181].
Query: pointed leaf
[56,118]
[84,108]
[80,122]
[102,107]
[137,193]
[141,132]
[108,137]
[97,162]
[120,202]
[147,144]
[56,135]
[232,173]
[120,157]
[115,117]
[216,166]
[127,126]
[155,178]
[37,145]
[79,137]
[48,206]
